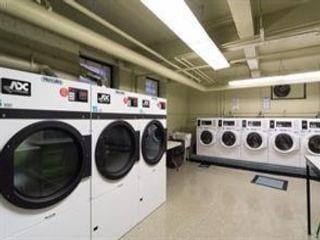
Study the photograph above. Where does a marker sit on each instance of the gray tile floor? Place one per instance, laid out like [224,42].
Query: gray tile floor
[221,203]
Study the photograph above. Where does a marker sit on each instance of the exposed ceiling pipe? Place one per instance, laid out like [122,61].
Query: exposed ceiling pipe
[30,66]
[201,73]
[257,40]
[305,51]
[194,71]
[54,22]
[103,22]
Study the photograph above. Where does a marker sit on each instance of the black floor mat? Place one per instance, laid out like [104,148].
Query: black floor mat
[204,165]
[270,182]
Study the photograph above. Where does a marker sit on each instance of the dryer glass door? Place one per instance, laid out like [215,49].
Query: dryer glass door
[284,142]
[117,150]
[229,138]
[42,164]
[254,140]
[206,137]
[153,142]
[314,144]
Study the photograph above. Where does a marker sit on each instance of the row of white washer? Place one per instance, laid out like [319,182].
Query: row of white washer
[281,141]
[77,161]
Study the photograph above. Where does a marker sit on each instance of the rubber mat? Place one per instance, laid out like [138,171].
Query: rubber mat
[204,165]
[270,182]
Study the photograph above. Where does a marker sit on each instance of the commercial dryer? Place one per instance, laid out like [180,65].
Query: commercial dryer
[152,166]
[45,157]
[116,152]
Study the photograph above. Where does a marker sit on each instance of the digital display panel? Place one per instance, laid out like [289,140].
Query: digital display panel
[228,123]
[206,122]
[284,124]
[314,124]
[254,123]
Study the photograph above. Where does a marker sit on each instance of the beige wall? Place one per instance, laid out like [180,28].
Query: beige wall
[251,104]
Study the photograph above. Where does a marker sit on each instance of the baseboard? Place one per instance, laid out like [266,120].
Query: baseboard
[254,166]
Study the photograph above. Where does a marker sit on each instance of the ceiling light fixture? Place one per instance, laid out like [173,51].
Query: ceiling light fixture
[305,77]
[179,18]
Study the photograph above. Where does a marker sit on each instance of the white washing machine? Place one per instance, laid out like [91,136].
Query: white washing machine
[284,142]
[116,152]
[310,139]
[255,137]
[229,138]
[207,131]
[45,157]
[152,166]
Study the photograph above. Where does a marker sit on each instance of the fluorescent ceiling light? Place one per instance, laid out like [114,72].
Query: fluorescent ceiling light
[179,18]
[306,77]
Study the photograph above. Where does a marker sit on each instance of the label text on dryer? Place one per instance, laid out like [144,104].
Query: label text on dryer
[15,87]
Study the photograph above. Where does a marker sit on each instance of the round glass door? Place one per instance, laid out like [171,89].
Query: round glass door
[314,144]
[229,138]
[284,142]
[254,140]
[44,164]
[153,142]
[116,150]
[206,137]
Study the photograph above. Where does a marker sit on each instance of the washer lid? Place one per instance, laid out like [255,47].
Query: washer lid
[153,142]
[43,163]
[285,143]
[207,137]
[314,144]
[229,139]
[117,150]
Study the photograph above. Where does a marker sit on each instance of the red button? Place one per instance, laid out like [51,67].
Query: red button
[64,92]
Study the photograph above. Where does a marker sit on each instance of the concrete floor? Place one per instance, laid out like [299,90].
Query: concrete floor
[221,203]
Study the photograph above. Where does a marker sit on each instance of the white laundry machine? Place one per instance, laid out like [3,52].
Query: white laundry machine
[310,139]
[45,157]
[229,139]
[207,132]
[284,142]
[254,140]
[152,166]
[116,152]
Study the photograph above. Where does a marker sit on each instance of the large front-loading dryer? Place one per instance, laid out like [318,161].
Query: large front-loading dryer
[207,132]
[284,142]
[116,152]
[229,139]
[310,139]
[45,157]
[152,166]
[254,143]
